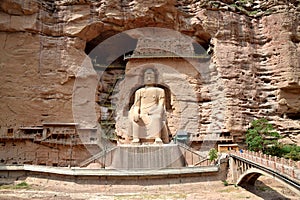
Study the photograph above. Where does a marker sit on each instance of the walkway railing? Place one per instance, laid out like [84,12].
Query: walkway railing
[281,165]
[194,158]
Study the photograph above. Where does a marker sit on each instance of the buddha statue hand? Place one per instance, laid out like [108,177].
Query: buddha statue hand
[136,117]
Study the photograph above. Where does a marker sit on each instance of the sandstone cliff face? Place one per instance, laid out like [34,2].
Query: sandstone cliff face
[254,62]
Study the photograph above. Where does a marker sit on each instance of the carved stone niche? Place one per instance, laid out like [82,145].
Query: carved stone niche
[180,85]
[289,103]
[179,71]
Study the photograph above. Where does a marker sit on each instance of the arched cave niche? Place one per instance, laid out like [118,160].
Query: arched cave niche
[108,46]
[168,105]
[107,52]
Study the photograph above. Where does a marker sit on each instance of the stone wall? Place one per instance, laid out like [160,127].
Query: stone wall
[25,151]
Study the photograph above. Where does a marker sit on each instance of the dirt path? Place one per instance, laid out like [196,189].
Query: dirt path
[266,188]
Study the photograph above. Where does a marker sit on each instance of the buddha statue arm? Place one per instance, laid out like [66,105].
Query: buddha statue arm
[137,105]
[161,100]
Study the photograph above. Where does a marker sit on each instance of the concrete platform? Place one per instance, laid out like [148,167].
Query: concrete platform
[113,177]
[152,156]
[74,171]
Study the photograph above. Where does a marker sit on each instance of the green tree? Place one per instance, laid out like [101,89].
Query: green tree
[291,152]
[213,154]
[261,135]
[288,151]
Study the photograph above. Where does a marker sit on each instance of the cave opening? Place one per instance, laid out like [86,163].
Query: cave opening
[107,52]
[293,116]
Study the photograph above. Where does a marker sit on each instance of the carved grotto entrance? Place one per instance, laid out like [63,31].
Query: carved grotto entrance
[180,63]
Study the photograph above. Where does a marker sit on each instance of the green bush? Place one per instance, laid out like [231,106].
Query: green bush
[287,151]
[291,152]
[259,134]
[22,185]
[225,183]
[213,154]
[274,150]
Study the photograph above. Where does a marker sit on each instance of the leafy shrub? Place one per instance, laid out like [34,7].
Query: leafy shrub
[291,152]
[261,135]
[287,151]
[225,183]
[22,185]
[213,154]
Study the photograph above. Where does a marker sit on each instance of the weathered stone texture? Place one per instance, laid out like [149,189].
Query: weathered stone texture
[254,70]
[37,78]
[27,152]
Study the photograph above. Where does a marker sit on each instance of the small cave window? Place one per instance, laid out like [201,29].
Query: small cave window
[293,116]
[33,131]
[225,134]
[202,44]
[128,54]
[10,132]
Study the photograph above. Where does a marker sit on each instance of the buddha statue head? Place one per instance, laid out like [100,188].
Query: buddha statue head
[149,77]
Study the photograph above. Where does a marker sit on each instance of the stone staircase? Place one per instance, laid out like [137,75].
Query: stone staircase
[97,156]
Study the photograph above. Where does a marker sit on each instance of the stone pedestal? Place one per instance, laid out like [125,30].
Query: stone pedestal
[128,157]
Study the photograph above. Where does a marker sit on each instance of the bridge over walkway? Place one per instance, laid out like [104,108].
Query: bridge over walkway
[247,167]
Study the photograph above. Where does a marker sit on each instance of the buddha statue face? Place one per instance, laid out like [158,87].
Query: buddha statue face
[149,77]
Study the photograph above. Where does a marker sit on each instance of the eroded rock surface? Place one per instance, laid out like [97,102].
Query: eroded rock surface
[254,47]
